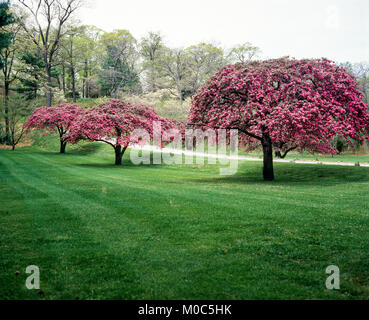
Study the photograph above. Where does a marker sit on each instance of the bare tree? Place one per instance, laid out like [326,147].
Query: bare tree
[150,48]
[44,26]
[243,53]
[18,110]
[174,64]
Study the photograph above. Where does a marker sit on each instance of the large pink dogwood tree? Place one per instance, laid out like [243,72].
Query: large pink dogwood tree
[56,119]
[283,104]
[114,122]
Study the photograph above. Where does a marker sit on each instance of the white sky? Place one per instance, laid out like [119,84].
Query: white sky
[335,29]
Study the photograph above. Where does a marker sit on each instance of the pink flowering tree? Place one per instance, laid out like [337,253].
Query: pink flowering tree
[113,123]
[283,104]
[57,119]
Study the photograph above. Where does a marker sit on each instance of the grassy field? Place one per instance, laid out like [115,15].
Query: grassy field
[98,231]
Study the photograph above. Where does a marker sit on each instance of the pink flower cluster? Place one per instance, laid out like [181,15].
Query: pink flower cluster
[55,119]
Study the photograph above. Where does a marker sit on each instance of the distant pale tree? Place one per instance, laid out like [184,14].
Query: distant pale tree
[204,60]
[361,73]
[174,65]
[90,52]
[44,25]
[150,50]
[243,53]
[70,56]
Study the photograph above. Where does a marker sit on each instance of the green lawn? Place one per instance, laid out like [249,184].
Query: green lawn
[98,231]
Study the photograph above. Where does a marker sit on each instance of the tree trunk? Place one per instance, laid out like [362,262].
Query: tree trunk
[118,155]
[63,145]
[73,84]
[6,106]
[278,154]
[119,152]
[49,92]
[180,94]
[63,79]
[85,76]
[268,171]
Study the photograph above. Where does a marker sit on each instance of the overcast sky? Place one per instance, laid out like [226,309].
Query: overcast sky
[335,29]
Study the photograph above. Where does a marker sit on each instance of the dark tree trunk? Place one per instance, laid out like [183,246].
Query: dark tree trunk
[6,106]
[63,79]
[85,77]
[49,92]
[268,171]
[119,152]
[63,145]
[73,84]
[118,155]
[278,154]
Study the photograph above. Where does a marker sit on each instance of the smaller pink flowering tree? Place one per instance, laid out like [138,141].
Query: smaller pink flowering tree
[113,122]
[57,119]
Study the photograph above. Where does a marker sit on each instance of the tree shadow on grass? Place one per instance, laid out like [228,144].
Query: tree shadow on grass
[85,149]
[109,164]
[295,174]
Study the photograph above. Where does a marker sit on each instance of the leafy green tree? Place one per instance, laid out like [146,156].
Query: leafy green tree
[31,73]
[6,18]
[120,63]
[6,58]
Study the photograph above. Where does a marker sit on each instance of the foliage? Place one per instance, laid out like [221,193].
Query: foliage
[6,18]
[119,65]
